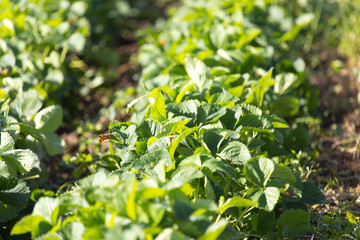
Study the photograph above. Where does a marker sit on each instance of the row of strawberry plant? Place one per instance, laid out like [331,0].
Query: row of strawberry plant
[198,159]
[47,54]
[193,167]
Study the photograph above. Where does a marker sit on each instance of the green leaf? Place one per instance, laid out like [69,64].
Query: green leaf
[254,123]
[293,224]
[76,42]
[209,112]
[7,183]
[153,157]
[23,159]
[171,234]
[8,60]
[49,119]
[230,118]
[251,109]
[186,174]
[276,121]
[45,208]
[181,176]
[263,222]
[282,172]
[52,236]
[186,89]
[214,230]
[196,70]
[16,196]
[266,199]
[35,224]
[258,171]
[174,126]
[287,106]
[218,165]
[7,142]
[351,217]
[157,110]
[131,204]
[212,140]
[218,35]
[123,134]
[157,173]
[53,144]
[55,77]
[7,212]
[312,195]
[236,202]
[175,143]
[235,152]
[263,84]
[27,129]
[302,21]
[187,109]
[285,82]
[30,105]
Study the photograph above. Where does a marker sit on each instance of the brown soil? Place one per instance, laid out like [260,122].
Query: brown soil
[338,166]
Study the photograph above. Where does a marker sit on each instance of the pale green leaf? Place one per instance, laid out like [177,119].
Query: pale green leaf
[49,118]
[236,202]
[214,230]
[236,152]
[157,110]
[258,171]
[196,70]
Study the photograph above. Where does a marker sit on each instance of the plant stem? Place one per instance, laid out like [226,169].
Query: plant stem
[243,213]
[218,217]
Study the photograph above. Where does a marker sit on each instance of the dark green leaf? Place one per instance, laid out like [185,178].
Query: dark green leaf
[254,123]
[27,129]
[293,224]
[283,173]
[7,212]
[312,195]
[212,140]
[16,196]
[264,222]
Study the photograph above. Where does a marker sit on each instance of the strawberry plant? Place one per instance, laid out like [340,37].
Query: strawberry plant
[15,166]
